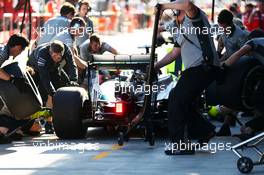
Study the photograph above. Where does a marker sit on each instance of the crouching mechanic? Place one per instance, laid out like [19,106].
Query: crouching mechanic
[54,67]
[201,68]
[15,45]
[255,48]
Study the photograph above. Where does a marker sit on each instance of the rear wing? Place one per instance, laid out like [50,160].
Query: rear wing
[121,61]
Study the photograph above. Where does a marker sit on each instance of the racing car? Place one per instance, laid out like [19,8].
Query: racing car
[114,102]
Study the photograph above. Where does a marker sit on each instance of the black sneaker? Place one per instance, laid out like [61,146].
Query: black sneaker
[4,139]
[16,137]
[224,131]
[179,152]
[185,151]
[49,128]
[27,129]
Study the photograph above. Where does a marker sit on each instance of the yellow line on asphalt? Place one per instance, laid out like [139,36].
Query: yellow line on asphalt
[101,155]
[106,154]
[116,147]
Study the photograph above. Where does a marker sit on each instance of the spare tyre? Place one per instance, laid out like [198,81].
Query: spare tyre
[238,90]
[22,99]
[68,106]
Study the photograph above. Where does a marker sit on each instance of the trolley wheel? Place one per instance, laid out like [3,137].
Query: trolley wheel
[120,139]
[245,165]
[151,139]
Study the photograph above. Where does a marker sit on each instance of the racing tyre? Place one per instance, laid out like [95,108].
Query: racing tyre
[237,92]
[68,112]
[21,97]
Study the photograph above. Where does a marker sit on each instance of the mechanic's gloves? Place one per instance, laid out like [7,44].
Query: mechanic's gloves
[222,73]
[160,41]
[73,83]
[158,72]
[21,84]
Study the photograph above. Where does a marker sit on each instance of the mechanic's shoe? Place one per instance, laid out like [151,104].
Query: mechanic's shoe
[174,150]
[15,135]
[224,131]
[49,128]
[179,152]
[204,141]
[32,128]
[4,139]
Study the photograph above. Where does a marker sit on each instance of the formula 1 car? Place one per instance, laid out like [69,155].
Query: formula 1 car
[74,109]
[114,102]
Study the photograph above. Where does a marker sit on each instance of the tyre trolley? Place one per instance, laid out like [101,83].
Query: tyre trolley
[246,164]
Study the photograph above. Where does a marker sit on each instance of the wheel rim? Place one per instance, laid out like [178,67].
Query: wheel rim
[245,165]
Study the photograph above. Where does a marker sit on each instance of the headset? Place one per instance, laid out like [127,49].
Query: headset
[81,2]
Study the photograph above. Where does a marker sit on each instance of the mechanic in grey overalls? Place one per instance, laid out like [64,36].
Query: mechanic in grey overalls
[94,46]
[173,27]
[233,38]
[68,37]
[57,24]
[201,67]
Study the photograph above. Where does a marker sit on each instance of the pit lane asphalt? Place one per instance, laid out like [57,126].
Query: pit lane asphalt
[100,154]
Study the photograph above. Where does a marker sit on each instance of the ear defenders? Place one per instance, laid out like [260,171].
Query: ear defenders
[81,2]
